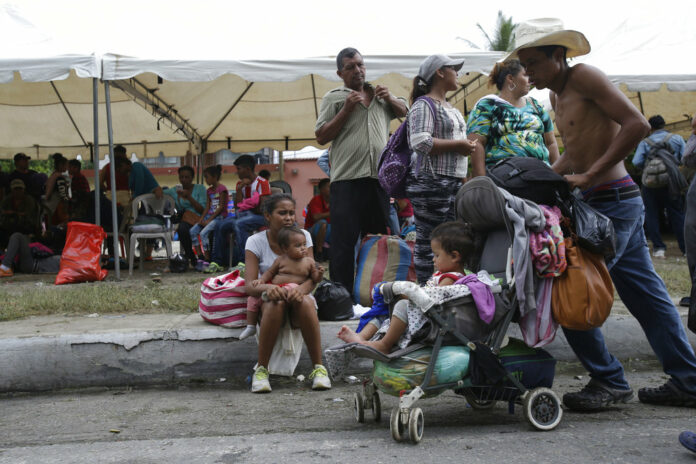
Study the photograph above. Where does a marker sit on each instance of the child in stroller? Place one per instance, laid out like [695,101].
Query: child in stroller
[455,323]
[453,246]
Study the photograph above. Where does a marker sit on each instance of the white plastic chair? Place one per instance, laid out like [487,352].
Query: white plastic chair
[151,205]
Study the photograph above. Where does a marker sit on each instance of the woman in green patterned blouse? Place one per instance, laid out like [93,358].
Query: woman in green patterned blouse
[510,123]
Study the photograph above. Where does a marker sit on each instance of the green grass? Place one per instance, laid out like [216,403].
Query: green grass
[675,274]
[133,297]
[35,295]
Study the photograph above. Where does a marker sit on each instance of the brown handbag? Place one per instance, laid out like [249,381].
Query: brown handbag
[582,296]
[190,218]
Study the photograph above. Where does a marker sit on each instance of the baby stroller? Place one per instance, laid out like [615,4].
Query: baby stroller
[454,321]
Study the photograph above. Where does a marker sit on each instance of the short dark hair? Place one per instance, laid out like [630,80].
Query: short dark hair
[549,49]
[58,159]
[265,173]
[348,52]
[75,163]
[245,160]
[323,182]
[119,150]
[455,236]
[120,162]
[656,122]
[186,168]
[215,171]
[285,234]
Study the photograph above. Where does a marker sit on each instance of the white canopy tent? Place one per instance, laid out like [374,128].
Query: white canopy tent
[650,62]
[247,105]
[46,98]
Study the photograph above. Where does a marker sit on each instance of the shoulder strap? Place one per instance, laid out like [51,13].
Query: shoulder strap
[664,141]
[430,103]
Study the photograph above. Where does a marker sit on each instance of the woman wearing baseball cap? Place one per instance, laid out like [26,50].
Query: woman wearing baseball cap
[437,136]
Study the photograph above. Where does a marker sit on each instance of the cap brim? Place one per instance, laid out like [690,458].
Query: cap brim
[456,63]
[575,43]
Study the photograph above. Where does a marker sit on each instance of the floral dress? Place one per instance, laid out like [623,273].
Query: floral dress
[510,131]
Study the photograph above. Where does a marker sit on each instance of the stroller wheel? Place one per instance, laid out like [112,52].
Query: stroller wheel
[376,407]
[398,430]
[542,408]
[477,403]
[358,408]
[415,425]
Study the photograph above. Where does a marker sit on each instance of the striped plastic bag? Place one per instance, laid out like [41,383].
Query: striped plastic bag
[381,258]
[222,301]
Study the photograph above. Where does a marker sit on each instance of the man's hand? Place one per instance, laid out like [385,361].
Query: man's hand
[383,93]
[583,181]
[351,100]
[243,183]
[184,194]
[256,283]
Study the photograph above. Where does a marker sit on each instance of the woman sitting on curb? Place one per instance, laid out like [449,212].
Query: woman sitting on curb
[262,249]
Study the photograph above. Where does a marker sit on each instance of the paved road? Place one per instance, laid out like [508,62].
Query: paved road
[223,423]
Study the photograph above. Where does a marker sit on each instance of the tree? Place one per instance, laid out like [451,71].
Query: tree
[503,36]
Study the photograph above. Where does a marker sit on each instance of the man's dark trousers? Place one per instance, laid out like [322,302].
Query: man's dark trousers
[358,207]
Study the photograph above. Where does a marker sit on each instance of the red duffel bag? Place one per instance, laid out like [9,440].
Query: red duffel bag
[79,261]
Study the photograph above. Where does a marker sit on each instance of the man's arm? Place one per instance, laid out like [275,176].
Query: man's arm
[330,130]
[323,163]
[678,144]
[562,165]
[195,203]
[398,105]
[594,85]
[639,156]
[316,212]
[552,146]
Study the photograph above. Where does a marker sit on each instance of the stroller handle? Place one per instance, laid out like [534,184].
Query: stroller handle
[391,290]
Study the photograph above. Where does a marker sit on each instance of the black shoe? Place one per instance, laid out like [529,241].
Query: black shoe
[595,395]
[667,395]
[685,302]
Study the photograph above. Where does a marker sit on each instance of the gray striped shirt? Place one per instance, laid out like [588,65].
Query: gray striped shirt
[356,149]
[447,123]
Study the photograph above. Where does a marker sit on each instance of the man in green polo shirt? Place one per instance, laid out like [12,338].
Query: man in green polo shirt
[355,120]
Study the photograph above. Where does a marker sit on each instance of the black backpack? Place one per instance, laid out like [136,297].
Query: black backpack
[530,178]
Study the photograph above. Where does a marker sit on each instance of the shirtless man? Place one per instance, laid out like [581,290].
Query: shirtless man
[599,127]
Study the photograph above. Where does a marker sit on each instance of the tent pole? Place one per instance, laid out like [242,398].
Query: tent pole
[640,102]
[112,172]
[95,150]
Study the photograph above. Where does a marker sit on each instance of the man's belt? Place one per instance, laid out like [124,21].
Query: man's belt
[615,194]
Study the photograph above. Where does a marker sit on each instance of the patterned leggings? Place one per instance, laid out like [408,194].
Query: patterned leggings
[432,197]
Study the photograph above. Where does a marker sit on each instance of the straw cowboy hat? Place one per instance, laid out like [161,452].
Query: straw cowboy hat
[549,31]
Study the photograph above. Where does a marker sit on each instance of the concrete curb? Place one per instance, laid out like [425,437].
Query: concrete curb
[47,353]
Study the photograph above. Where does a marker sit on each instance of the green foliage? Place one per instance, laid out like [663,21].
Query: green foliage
[503,38]
[44,166]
